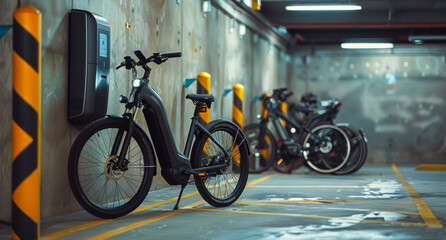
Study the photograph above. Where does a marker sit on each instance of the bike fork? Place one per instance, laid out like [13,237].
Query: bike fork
[120,164]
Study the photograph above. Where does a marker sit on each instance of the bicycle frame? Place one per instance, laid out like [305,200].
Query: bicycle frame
[175,167]
[276,115]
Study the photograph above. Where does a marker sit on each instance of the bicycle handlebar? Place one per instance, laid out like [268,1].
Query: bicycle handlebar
[171,55]
[156,57]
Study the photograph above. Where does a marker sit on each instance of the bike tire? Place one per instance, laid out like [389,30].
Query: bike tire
[225,133]
[260,160]
[358,152]
[89,155]
[334,153]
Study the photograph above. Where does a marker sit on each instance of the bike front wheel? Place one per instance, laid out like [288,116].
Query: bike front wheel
[97,186]
[226,186]
[326,148]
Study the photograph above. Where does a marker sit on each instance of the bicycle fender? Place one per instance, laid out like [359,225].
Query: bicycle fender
[145,134]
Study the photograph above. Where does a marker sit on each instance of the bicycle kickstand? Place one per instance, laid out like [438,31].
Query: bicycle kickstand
[179,197]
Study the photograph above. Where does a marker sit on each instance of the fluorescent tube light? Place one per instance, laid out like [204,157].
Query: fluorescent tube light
[366,45]
[323,7]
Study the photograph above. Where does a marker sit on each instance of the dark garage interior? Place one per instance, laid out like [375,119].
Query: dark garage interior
[280,119]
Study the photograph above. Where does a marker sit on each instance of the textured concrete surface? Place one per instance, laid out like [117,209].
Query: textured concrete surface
[7,11]
[206,43]
[374,203]
[404,126]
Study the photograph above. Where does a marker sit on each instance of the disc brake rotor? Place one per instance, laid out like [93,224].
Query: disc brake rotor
[112,174]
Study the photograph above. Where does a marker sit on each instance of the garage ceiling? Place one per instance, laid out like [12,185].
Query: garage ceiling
[397,21]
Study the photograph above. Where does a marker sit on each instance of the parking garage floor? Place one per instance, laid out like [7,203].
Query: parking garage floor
[378,202]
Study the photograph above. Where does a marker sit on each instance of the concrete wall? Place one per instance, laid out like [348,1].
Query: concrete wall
[405,126]
[207,45]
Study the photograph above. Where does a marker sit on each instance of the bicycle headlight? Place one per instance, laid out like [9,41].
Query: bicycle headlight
[137,83]
[259,116]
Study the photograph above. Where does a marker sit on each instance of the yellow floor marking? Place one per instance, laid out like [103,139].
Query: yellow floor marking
[321,201]
[307,216]
[394,205]
[260,180]
[425,212]
[141,223]
[76,228]
[324,186]
[333,208]
[432,167]
[265,186]
[163,202]
[334,180]
[101,221]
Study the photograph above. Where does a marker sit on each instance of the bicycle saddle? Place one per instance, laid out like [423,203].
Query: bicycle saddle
[207,98]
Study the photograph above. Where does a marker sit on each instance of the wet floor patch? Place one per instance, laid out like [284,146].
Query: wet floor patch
[381,189]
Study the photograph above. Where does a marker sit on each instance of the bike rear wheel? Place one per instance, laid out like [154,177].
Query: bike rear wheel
[99,189]
[327,148]
[358,151]
[261,158]
[228,184]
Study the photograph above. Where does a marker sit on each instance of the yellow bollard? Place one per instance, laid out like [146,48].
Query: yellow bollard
[263,111]
[283,108]
[237,107]
[204,87]
[256,5]
[26,124]
[264,114]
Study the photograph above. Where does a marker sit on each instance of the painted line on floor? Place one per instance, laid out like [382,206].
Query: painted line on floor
[101,221]
[141,223]
[395,205]
[308,216]
[432,167]
[266,186]
[251,184]
[94,223]
[332,208]
[320,201]
[309,177]
[322,186]
[429,218]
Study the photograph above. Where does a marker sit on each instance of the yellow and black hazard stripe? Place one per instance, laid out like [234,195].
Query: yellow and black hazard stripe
[204,87]
[26,124]
[284,109]
[237,107]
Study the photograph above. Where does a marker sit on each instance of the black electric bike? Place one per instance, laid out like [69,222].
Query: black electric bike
[324,147]
[112,161]
[310,114]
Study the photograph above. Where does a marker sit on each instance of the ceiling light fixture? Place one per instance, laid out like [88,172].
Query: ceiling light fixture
[323,7]
[366,45]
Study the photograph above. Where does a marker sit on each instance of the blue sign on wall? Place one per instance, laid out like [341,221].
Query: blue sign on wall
[4,29]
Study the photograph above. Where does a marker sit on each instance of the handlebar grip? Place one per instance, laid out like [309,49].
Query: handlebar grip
[172,55]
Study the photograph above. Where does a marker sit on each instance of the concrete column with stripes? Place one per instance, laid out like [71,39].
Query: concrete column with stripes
[26,124]
[204,87]
[237,106]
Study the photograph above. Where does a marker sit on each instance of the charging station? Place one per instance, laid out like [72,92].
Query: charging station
[89,66]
